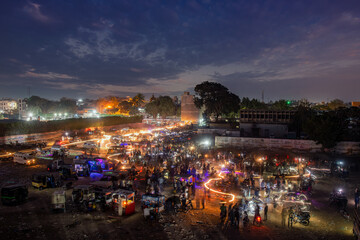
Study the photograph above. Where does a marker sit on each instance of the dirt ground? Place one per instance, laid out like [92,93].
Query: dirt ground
[35,219]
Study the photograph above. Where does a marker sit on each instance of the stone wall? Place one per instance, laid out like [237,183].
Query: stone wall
[268,143]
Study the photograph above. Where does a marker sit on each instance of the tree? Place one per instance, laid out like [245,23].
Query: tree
[125,107]
[39,103]
[335,104]
[138,100]
[166,106]
[246,103]
[216,99]
[326,129]
[280,105]
[134,111]
[302,114]
[67,105]
[163,105]
[152,109]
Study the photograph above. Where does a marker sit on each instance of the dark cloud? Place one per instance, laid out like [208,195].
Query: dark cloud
[91,48]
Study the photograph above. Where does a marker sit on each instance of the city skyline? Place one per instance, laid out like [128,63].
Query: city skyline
[291,50]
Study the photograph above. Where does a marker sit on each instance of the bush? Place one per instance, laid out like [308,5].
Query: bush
[23,127]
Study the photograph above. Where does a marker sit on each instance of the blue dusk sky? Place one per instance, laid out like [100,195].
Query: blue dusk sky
[78,48]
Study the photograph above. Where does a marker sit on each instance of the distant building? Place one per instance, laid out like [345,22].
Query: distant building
[8,105]
[189,112]
[80,102]
[355,104]
[22,106]
[87,112]
[266,116]
[265,123]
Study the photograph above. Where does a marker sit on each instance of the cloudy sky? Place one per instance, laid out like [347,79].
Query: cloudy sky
[79,48]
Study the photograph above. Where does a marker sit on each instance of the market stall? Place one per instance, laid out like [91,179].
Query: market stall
[152,204]
[124,202]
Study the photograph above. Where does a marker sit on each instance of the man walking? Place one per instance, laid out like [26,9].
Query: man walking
[265,211]
[357,197]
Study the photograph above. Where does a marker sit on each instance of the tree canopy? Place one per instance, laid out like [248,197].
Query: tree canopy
[163,105]
[216,99]
[38,105]
[138,100]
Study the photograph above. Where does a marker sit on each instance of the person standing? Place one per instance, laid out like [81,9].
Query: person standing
[265,211]
[246,221]
[203,201]
[257,213]
[223,212]
[283,216]
[291,217]
[357,197]
[237,215]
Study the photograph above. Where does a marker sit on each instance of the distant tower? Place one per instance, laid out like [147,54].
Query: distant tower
[262,95]
[189,112]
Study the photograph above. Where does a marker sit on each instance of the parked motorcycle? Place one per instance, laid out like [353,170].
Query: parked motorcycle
[258,221]
[302,218]
[188,206]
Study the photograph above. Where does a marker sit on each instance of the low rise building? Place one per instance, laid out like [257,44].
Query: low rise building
[265,123]
[355,104]
[8,105]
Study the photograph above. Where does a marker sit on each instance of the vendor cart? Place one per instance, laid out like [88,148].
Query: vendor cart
[58,201]
[124,202]
[82,167]
[152,204]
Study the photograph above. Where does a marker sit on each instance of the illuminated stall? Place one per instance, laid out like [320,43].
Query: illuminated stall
[124,202]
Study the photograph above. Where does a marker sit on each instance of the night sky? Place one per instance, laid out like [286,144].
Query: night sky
[76,48]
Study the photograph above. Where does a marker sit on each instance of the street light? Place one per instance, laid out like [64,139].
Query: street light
[206,143]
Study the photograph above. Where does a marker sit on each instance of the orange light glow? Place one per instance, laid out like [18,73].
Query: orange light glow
[222,193]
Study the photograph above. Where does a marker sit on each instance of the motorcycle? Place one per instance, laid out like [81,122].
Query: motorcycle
[345,214]
[258,221]
[302,218]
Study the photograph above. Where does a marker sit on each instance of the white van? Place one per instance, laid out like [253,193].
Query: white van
[24,158]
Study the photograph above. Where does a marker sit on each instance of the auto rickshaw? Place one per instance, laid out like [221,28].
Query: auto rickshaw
[46,180]
[67,172]
[83,193]
[84,197]
[14,194]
